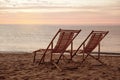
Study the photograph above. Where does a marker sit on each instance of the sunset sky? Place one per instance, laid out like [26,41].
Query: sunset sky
[59,11]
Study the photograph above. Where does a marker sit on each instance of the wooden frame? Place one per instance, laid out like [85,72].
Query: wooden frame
[66,38]
[94,39]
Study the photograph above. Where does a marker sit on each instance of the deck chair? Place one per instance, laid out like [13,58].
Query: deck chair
[90,43]
[65,38]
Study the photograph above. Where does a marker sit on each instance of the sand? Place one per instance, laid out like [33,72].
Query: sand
[15,66]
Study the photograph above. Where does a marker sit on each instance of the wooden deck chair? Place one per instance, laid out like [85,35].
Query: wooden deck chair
[90,43]
[65,38]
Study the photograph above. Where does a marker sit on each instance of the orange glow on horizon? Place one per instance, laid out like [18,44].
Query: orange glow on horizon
[58,18]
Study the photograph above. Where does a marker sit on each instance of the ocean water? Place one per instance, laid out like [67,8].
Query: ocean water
[28,38]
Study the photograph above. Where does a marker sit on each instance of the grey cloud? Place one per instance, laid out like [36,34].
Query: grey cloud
[45,4]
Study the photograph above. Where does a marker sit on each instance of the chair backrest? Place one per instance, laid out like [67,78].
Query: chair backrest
[94,39]
[64,40]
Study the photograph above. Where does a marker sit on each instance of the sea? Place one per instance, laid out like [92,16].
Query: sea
[28,38]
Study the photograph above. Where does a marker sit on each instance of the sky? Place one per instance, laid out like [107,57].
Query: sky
[59,12]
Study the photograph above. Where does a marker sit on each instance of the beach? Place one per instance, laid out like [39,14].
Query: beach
[19,66]
[80,39]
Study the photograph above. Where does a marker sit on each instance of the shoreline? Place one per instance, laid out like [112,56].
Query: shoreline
[94,53]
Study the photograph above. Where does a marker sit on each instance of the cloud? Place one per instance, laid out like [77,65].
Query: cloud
[57,3]
[43,6]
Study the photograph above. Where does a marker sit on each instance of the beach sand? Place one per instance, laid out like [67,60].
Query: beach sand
[15,66]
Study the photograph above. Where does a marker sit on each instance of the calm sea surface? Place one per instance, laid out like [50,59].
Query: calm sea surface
[28,38]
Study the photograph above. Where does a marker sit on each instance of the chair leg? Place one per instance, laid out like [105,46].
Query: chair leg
[42,58]
[83,55]
[99,51]
[98,60]
[59,58]
[84,58]
[51,57]
[56,66]
[34,57]
[64,58]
